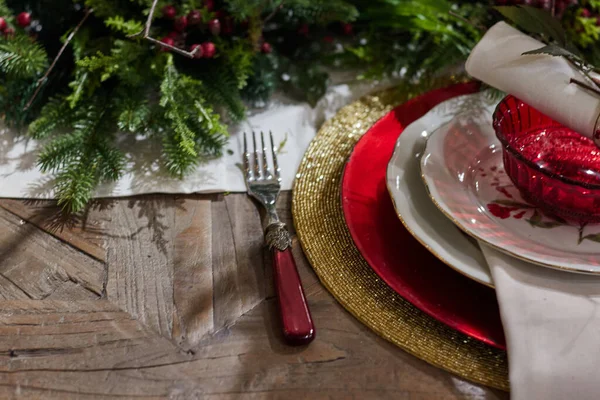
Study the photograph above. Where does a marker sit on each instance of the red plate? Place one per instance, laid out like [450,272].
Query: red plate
[398,258]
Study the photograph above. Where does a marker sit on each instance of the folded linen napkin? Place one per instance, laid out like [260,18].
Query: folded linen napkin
[552,324]
[542,81]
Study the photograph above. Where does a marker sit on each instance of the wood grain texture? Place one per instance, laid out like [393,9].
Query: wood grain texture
[193,314]
[184,315]
[38,264]
[87,237]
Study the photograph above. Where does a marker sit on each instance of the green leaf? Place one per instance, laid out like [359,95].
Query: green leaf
[118,24]
[537,222]
[511,203]
[535,20]
[552,50]
[593,237]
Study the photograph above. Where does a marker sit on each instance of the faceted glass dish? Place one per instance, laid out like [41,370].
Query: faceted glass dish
[554,167]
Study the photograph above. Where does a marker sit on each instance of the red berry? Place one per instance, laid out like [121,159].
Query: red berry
[209,4]
[266,48]
[214,26]
[200,52]
[181,23]
[328,39]
[9,32]
[169,41]
[348,29]
[194,17]
[303,29]
[585,13]
[227,26]
[24,19]
[208,49]
[219,14]
[169,12]
[2,24]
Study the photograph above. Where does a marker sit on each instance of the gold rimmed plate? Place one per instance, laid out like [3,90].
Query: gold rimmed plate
[413,205]
[464,176]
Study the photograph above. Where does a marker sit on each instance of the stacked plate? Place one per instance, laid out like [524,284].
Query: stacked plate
[449,189]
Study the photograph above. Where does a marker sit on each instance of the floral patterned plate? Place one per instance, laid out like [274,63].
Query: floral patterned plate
[464,175]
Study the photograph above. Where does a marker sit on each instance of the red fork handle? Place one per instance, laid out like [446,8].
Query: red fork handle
[298,328]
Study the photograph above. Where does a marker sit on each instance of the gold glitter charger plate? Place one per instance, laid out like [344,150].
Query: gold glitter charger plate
[327,243]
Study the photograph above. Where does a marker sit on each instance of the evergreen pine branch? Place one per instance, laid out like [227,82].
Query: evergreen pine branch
[322,12]
[193,129]
[5,11]
[244,9]
[83,157]
[54,115]
[133,113]
[21,57]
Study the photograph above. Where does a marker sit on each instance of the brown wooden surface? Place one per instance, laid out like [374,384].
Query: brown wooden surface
[171,297]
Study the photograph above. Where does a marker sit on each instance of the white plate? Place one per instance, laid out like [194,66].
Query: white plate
[463,171]
[413,205]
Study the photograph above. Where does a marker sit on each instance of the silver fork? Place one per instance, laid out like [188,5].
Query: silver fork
[264,185]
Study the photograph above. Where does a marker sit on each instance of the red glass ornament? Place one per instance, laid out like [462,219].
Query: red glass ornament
[199,52]
[209,49]
[194,17]
[3,24]
[24,19]
[214,26]
[553,167]
[266,48]
[391,251]
[181,23]
[169,12]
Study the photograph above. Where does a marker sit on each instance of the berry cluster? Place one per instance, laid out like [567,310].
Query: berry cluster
[23,20]
[217,23]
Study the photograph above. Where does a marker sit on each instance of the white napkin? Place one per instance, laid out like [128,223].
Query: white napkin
[552,324]
[293,124]
[542,81]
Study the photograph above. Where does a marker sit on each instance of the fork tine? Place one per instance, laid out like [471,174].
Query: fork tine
[257,170]
[266,170]
[247,171]
[275,163]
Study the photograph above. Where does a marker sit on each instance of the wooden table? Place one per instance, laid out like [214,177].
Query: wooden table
[172,297]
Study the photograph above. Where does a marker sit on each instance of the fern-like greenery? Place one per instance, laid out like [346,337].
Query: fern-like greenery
[110,82]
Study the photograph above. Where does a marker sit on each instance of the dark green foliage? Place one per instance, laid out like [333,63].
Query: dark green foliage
[195,130]
[22,58]
[109,82]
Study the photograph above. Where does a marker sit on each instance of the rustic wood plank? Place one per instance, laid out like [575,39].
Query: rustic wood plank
[140,263]
[47,216]
[91,348]
[38,264]
[249,245]
[193,275]
[172,262]
[238,258]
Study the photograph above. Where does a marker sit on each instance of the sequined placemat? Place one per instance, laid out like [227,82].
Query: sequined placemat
[343,271]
